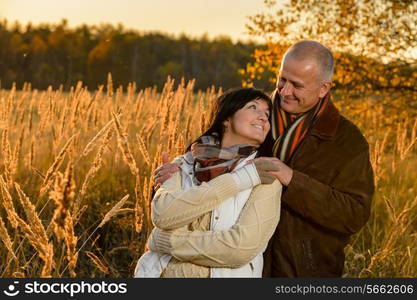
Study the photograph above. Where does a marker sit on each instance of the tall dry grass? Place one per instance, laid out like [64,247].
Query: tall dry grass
[76,185]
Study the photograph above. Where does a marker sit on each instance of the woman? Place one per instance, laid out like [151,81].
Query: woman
[215,216]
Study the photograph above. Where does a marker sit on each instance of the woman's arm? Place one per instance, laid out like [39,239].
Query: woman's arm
[228,248]
[174,207]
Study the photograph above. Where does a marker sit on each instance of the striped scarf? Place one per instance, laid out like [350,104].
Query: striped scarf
[287,133]
[210,160]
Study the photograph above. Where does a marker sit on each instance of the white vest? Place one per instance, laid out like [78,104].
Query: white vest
[151,264]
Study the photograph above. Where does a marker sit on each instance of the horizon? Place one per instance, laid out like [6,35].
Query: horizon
[192,18]
[11,24]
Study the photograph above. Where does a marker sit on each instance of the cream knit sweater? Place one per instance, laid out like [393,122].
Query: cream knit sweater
[182,220]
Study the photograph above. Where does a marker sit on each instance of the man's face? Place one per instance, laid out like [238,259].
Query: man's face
[299,85]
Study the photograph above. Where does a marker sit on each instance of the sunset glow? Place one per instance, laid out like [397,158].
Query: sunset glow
[214,17]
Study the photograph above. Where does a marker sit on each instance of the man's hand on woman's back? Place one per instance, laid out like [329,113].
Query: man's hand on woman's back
[164,172]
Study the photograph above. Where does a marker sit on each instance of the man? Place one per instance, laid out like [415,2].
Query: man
[323,164]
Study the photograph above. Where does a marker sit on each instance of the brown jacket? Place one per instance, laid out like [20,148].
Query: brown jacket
[327,200]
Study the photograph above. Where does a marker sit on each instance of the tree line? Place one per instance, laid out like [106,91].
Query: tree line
[55,54]
[51,55]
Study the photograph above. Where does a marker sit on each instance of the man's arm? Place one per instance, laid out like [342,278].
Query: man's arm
[228,248]
[344,206]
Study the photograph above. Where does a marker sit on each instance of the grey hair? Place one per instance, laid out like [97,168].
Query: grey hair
[313,50]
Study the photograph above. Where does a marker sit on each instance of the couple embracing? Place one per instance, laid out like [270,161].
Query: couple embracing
[274,188]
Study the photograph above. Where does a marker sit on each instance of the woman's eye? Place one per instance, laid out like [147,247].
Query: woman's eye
[252,106]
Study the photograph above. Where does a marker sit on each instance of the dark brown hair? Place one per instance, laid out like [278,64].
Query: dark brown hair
[226,106]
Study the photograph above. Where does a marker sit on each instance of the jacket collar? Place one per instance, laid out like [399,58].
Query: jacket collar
[326,126]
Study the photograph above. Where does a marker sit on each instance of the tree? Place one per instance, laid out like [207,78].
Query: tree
[378,35]
[54,54]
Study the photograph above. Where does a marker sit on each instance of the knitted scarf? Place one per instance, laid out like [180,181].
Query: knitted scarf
[211,160]
[287,133]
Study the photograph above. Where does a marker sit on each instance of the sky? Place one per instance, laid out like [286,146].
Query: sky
[193,17]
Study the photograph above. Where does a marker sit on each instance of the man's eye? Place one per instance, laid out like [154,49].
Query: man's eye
[252,106]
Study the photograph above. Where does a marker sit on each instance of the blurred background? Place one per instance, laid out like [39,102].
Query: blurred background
[220,43]
[51,42]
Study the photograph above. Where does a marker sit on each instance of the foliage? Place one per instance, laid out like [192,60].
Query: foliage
[51,55]
[372,41]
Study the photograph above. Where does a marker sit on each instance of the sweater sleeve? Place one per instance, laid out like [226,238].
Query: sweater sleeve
[174,207]
[228,248]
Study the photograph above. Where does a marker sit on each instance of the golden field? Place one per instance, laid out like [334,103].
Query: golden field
[76,176]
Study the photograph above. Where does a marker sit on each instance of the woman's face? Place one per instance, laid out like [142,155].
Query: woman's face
[248,125]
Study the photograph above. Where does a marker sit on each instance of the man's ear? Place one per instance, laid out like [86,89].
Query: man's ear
[325,88]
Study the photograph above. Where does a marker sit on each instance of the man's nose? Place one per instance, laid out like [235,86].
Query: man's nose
[286,90]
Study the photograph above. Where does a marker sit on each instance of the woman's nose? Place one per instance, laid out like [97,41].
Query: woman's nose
[263,116]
